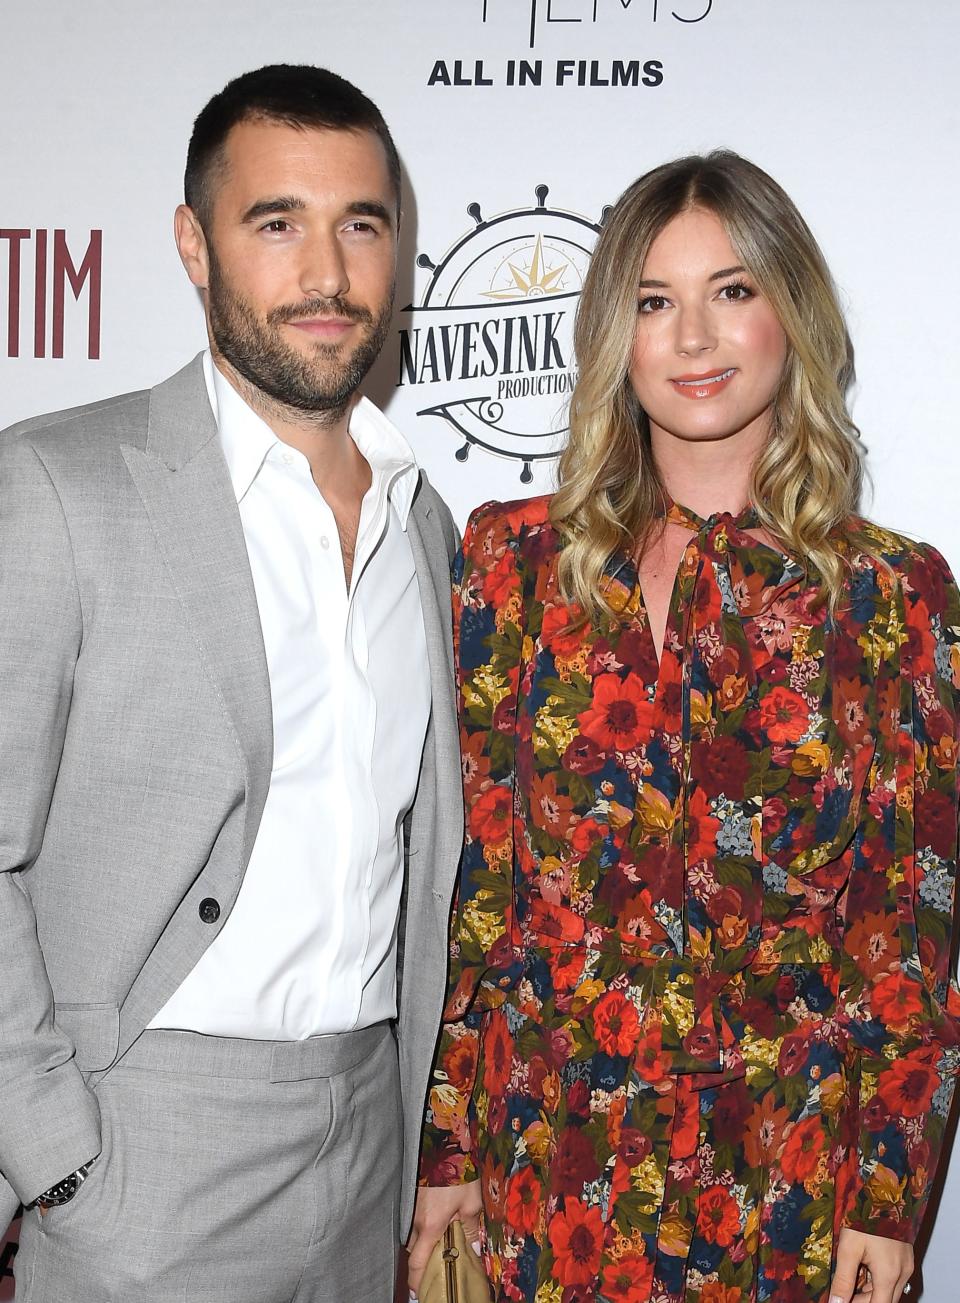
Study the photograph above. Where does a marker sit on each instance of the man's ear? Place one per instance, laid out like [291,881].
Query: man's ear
[192,245]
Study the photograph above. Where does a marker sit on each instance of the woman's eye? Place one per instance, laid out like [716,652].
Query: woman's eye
[653,303]
[737,292]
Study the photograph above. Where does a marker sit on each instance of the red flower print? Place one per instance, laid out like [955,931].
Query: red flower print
[760,1015]
[783,1266]
[634,1146]
[876,1115]
[715,1292]
[576,1237]
[686,1122]
[920,638]
[937,822]
[549,920]
[496,1114]
[494,1187]
[618,719]
[873,942]
[500,580]
[585,834]
[907,1086]
[583,756]
[785,991]
[505,714]
[628,1280]
[475,762]
[509,1282]
[460,1062]
[635,648]
[615,1024]
[850,710]
[764,1128]
[491,816]
[730,1113]
[579,1294]
[530,512]
[574,1163]
[722,766]
[701,827]
[802,1148]
[578,1099]
[728,900]
[497,1054]
[895,1000]
[648,1057]
[553,631]
[551,810]
[523,1201]
[784,715]
[719,1219]
[566,968]
[793,1054]
[617,843]
[794,1289]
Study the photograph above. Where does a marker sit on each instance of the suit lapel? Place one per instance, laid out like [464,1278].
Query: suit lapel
[430,556]
[433,576]
[185,487]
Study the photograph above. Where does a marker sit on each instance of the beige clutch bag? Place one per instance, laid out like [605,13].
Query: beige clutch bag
[454,1273]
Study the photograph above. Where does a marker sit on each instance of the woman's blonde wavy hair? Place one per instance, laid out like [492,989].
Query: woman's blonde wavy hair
[806,482]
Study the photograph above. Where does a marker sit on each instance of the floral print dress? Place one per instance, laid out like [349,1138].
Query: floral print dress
[700,1015]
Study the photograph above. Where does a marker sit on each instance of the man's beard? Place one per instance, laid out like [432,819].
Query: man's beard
[320,384]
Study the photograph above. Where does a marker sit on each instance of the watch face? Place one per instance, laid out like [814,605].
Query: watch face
[60,1193]
[64,1190]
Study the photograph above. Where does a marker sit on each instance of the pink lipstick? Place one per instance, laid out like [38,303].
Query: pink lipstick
[703,386]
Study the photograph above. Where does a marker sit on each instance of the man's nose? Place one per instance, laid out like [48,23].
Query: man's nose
[323,273]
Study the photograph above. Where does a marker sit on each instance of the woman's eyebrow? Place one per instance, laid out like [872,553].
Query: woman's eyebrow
[714,276]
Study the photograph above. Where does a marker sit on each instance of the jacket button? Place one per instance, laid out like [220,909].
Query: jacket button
[209,909]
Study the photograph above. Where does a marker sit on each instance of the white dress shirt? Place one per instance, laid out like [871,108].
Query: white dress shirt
[310,946]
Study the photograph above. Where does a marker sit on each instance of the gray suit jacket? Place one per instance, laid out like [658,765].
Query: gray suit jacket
[135,756]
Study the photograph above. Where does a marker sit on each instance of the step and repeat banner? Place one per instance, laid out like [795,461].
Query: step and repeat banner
[518,122]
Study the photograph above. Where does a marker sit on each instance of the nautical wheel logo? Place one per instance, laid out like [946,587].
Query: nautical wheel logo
[494,331]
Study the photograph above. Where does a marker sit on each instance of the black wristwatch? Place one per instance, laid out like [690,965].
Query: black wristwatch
[64,1190]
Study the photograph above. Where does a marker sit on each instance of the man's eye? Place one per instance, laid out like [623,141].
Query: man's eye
[653,303]
[276,226]
[362,227]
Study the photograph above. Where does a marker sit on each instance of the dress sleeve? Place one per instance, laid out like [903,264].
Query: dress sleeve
[487,647]
[898,986]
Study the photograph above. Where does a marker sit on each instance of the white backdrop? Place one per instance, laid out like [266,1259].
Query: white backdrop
[852,106]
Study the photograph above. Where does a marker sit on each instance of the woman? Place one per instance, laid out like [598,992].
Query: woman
[700,1046]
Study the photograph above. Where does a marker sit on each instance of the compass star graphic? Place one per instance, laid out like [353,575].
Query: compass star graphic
[534,282]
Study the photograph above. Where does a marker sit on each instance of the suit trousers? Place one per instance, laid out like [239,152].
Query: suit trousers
[232,1171]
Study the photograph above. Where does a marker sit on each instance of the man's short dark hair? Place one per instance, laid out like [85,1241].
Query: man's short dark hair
[298,95]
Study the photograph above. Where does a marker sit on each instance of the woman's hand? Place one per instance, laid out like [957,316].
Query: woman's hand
[888,1266]
[437,1207]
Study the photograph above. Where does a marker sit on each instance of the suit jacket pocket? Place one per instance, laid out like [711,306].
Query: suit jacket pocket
[94,1030]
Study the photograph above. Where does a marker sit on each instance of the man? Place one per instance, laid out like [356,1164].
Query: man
[226,686]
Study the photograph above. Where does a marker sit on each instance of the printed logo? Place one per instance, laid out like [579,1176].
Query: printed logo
[495,330]
[539,16]
[43,272]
